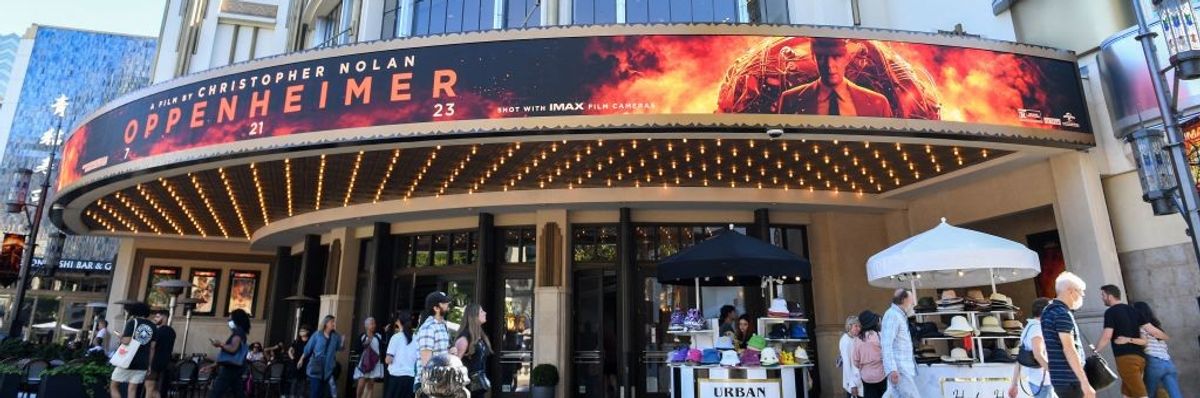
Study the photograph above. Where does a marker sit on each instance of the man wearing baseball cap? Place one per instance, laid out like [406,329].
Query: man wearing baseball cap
[433,337]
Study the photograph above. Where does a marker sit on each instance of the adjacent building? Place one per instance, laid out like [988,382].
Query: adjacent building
[8,52]
[347,157]
[90,68]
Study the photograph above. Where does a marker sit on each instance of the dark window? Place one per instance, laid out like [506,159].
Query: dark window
[594,244]
[520,245]
[441,249]
[523,14]
[433,17]
[420,253]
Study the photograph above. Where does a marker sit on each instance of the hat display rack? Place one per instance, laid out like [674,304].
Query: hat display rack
[733,259]
[950,257]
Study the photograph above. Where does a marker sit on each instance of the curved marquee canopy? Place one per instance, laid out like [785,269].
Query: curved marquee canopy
[504,87]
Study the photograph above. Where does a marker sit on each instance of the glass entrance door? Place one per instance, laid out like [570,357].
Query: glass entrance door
[595,333]
[515,353]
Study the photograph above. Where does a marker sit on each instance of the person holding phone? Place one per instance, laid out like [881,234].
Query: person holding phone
[232,357]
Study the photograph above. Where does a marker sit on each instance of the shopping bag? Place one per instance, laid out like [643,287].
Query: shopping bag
[124,354]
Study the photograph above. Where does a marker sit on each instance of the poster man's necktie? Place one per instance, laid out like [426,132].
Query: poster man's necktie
[833,104]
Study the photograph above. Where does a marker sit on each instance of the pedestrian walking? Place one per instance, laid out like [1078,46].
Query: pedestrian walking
[370,362]
[401,359]
[1123,323]
[1160,370]
[433,337]
[295,354]
[320,355]
[851,380]
[163,342]
[1035,379]
[867,356]
[896,341]
[1064,350]
[474,348]
[231,358]
[130,362]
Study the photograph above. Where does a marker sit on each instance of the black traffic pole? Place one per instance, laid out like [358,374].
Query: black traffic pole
[34,226]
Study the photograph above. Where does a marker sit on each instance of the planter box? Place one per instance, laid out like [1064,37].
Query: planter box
[9,386]
[62,386]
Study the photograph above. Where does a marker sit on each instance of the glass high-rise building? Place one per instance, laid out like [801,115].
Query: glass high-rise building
[90,68]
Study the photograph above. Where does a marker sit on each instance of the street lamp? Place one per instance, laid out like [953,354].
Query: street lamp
[35,222]
[1154,169]
[15,202]
[1182,36]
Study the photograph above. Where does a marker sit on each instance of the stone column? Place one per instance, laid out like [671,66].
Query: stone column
[1081,211]
[551,302]
[340,303]
[841,244]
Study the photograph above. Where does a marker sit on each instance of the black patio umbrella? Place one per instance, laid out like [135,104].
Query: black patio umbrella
[733,259]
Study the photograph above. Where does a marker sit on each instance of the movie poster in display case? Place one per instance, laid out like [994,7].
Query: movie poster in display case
[204,289]
[243,291]
[157,298]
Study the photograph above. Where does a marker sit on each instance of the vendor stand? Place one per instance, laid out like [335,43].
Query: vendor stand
[949,257]
[733,259]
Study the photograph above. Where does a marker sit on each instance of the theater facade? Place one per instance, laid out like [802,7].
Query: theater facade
[544,173]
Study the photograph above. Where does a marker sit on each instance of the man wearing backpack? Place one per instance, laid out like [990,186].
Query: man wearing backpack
[370,363]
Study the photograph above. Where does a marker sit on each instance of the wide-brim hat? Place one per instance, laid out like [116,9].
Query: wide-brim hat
[999,298]
[977,296]
[951,308]
[927,351]
[724,343]
[991,324]
[956,355]
[926,304]
[949,294]
[959,327]
[779,306]
[1012,325]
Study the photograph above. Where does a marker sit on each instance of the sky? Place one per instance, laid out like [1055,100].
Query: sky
[136,17]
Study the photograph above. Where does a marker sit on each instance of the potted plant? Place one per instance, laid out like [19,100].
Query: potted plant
[81,378]
[10,380]
[544,378]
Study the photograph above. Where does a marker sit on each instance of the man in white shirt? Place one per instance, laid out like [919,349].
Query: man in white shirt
[898,360]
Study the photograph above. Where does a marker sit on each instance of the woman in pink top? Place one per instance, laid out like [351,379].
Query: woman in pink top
[868,356]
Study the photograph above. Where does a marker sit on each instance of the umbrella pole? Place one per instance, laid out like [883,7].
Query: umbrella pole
[913,282]
[698,306]
[992,273]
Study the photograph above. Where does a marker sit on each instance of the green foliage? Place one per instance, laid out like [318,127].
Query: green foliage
[91,371]
[9,369]
[17,349]
[544,375]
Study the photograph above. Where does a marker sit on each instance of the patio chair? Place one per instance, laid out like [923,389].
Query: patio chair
[274,379]
[32,376]
[185,381]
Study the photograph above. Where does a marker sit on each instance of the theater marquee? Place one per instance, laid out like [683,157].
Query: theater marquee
[702,78]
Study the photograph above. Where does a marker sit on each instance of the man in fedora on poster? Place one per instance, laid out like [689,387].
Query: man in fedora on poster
[832,93]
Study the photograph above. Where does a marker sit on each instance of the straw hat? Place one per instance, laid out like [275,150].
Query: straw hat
[956,355]
[1013,326]
[959,327]
[927,351]
[976,295]
[949,297]
[991,325]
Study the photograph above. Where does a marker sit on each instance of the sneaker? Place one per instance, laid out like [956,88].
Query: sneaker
[695,321]
[676,322]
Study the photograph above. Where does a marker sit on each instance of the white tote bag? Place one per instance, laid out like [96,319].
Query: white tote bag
[124,354]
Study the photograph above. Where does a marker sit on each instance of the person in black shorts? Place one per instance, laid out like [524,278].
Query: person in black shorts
[161,346]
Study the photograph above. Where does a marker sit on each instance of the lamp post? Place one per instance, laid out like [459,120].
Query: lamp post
[60,109]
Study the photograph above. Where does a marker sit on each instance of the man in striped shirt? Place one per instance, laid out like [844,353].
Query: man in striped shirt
[1064,351]
[896,342]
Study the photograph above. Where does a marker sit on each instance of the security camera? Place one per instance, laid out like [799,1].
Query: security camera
[774,133]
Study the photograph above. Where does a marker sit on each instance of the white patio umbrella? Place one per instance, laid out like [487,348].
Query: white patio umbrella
[952,257]
[51,325]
